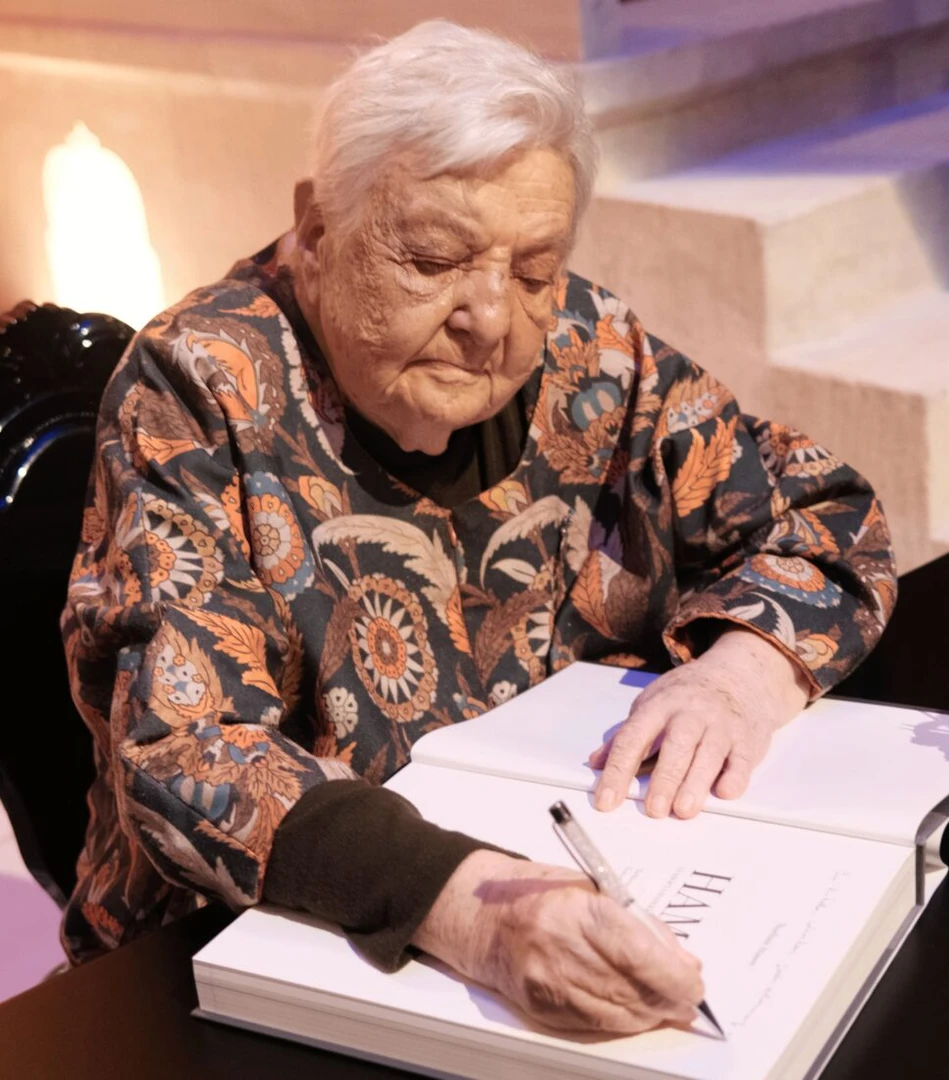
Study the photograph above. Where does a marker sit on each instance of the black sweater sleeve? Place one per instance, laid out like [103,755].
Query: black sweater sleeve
[363,858]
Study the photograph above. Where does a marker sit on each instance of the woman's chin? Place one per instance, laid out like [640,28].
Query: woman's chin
[430,429]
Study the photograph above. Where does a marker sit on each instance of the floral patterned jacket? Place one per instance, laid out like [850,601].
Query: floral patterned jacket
[257,606]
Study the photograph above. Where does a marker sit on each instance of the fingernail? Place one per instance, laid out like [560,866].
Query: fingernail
[607,798]
[684,804]
[658,807]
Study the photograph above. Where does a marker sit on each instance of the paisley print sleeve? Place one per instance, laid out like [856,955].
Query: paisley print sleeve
[183,661]
[771,530]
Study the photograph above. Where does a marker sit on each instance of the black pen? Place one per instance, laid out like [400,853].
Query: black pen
[586,855]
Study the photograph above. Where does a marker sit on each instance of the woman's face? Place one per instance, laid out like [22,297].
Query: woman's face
[433,312]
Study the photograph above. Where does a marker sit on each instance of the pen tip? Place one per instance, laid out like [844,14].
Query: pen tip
[710,1016]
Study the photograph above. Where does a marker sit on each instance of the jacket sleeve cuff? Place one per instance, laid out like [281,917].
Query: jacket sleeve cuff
[687,636]
[363,858]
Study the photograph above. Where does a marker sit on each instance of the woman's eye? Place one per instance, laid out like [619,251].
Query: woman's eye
[431,267]
[534,285]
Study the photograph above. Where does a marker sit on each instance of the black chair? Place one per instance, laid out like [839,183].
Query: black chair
[54,364]
[910,666]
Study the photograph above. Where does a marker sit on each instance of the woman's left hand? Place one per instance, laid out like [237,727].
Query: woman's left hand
[713,718]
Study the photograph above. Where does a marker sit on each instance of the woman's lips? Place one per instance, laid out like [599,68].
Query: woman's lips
[445,371]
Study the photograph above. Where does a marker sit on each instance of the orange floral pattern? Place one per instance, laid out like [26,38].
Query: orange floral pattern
[389,639]
[257,606]
[277,549]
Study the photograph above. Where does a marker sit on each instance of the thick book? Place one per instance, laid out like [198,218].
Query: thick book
[795,897]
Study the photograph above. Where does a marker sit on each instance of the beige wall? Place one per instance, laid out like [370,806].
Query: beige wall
[552,27]
[205,102]
[215,163]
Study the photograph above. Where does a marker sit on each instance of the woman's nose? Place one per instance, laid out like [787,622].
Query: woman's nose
[483,306]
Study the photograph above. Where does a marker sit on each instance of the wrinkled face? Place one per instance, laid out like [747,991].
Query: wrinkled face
[433,312]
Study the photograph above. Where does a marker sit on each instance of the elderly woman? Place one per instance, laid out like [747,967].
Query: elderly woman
[389,472]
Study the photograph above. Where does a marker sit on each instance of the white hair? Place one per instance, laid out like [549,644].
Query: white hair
[446,99]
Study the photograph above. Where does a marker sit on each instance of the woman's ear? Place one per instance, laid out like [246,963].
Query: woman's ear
[307,214]
[302,200]
[310,230]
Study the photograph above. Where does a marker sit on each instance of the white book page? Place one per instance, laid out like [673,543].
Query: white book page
[770,911]
[866,770]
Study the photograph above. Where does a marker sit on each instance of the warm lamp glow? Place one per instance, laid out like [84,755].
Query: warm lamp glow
[97,243]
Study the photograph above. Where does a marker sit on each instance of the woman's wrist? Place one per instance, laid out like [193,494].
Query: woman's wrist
[761,666]
[455,929]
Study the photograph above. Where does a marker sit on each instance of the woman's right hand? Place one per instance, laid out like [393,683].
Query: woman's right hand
[569,958]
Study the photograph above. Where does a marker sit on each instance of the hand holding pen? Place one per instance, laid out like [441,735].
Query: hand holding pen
[569,958]
[586,855]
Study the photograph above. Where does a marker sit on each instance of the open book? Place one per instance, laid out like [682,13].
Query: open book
[795,897]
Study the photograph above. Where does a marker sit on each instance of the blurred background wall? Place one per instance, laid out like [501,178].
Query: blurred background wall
[774,197]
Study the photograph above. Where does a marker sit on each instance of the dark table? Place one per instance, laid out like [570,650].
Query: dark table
[127,1015]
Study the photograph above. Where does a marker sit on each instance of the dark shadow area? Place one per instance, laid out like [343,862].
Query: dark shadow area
[910,666]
